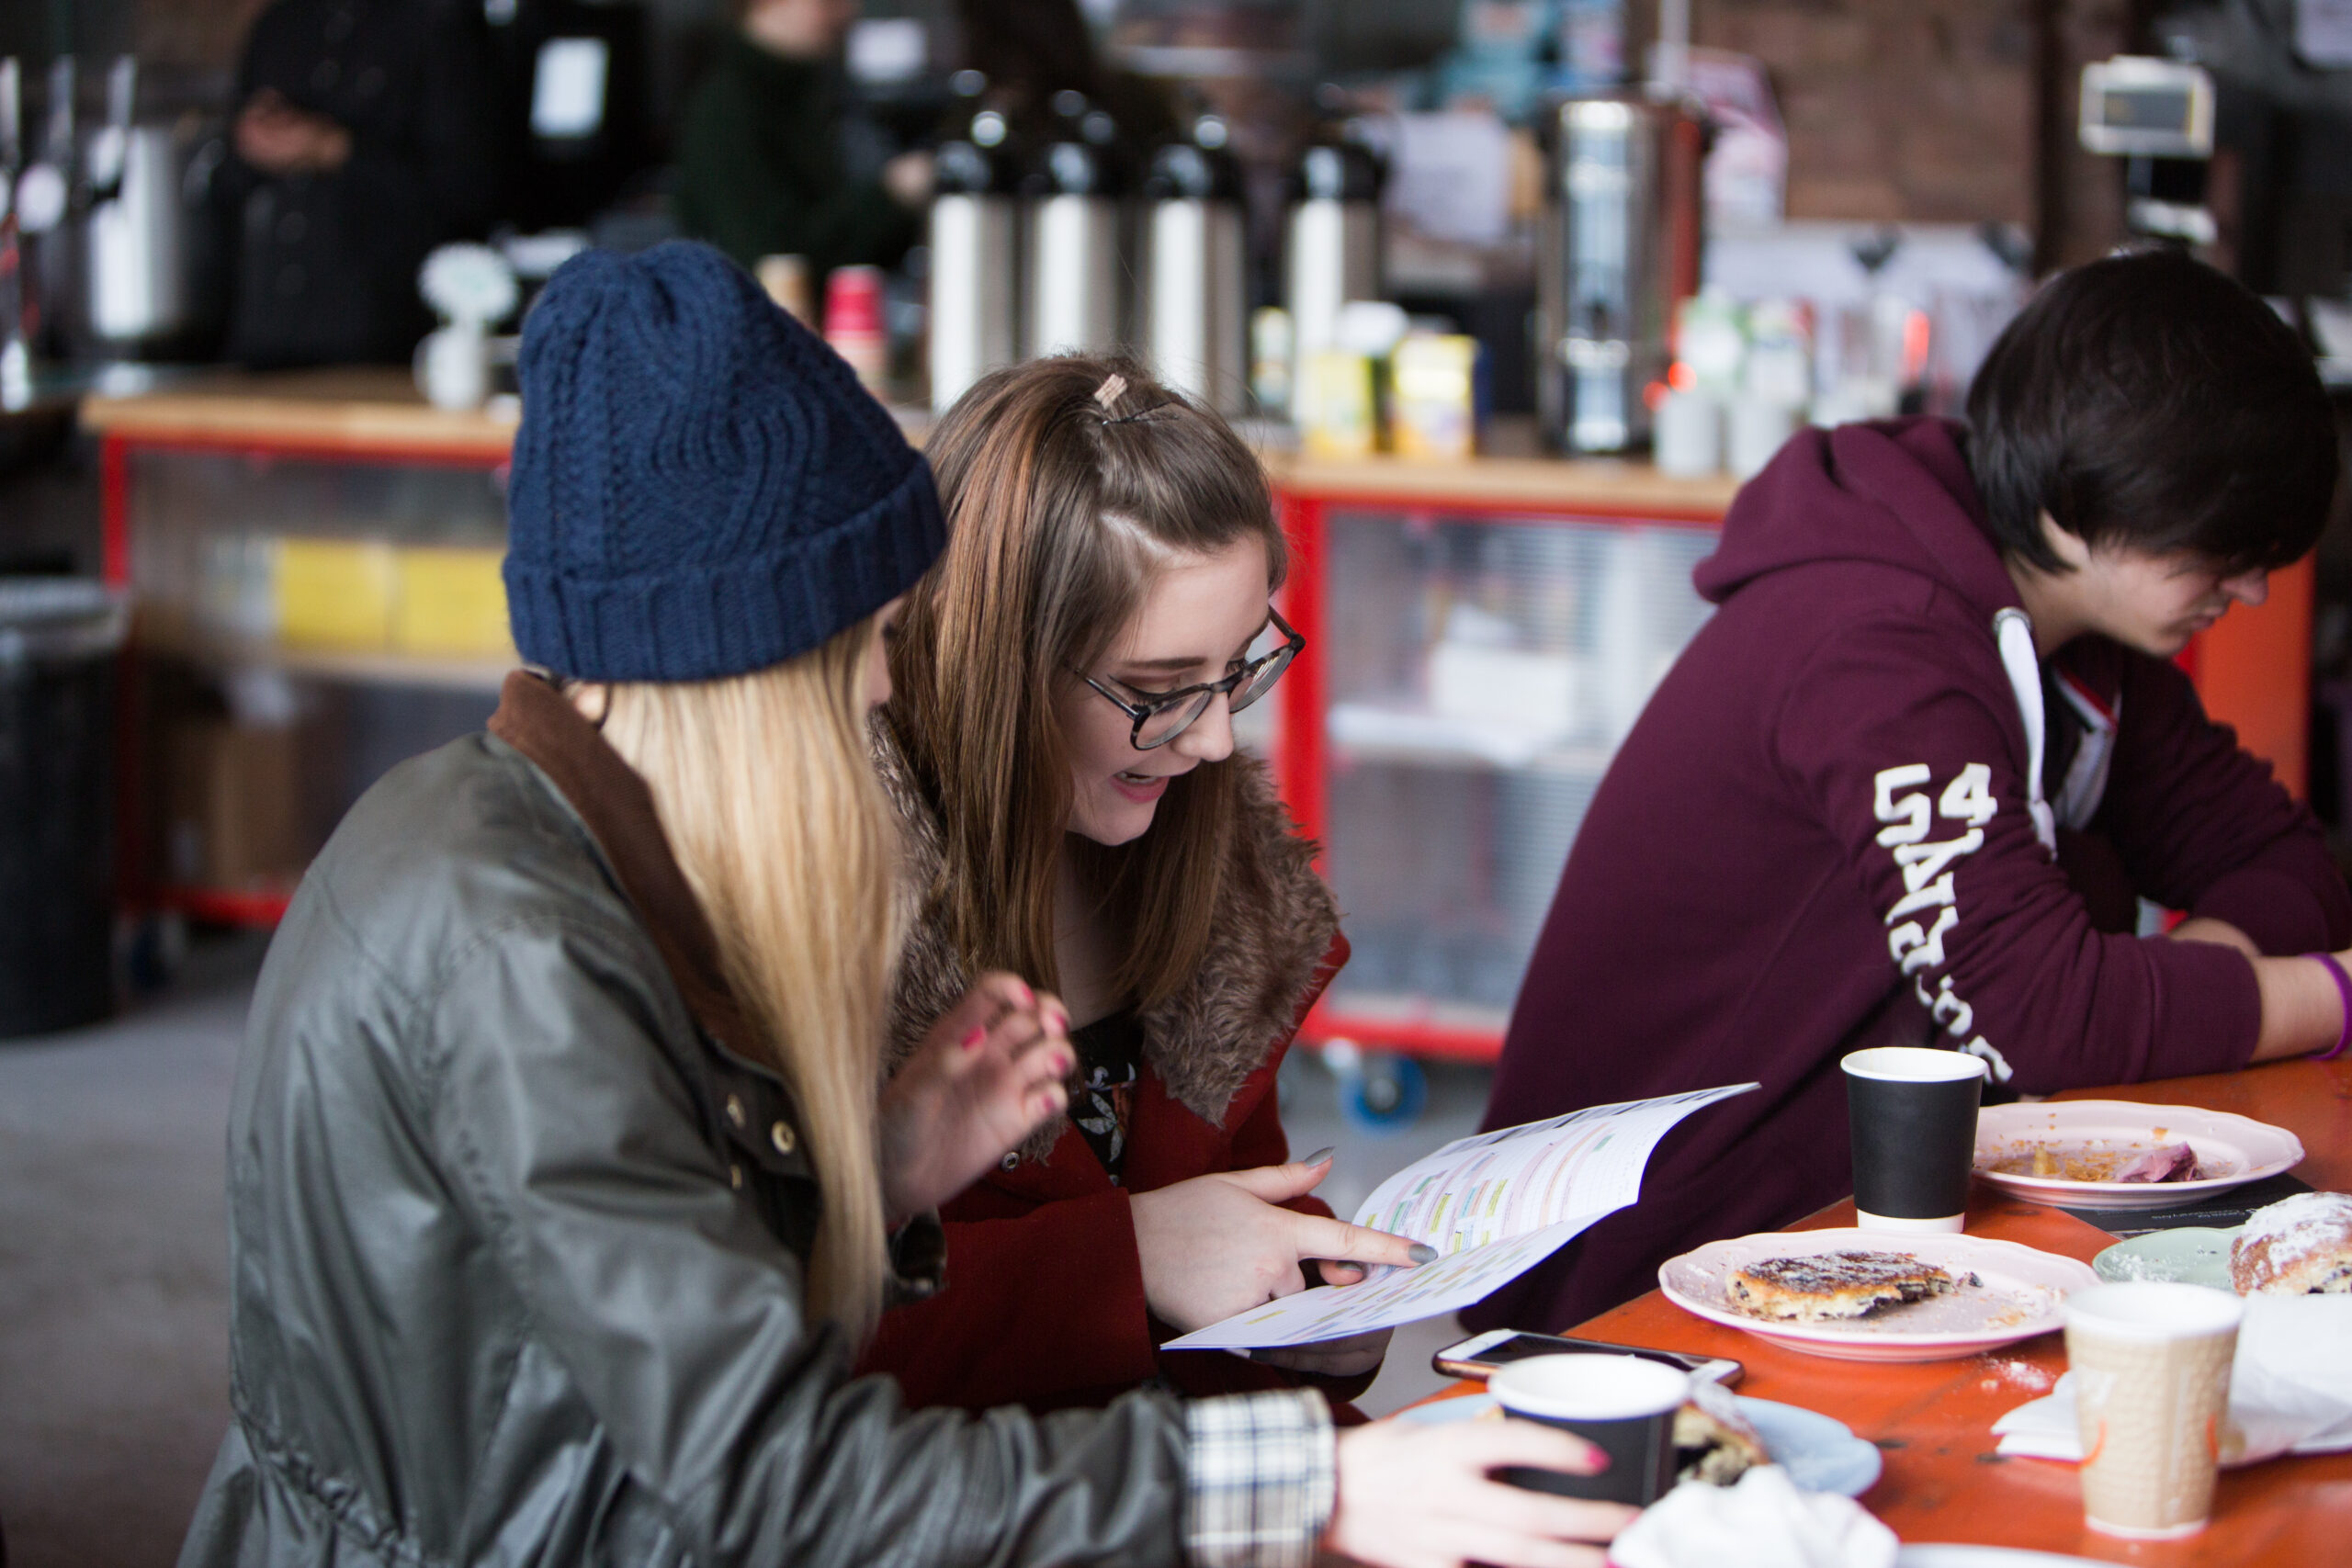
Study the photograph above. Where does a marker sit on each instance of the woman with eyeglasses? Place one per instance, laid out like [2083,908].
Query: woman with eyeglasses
[1061,751]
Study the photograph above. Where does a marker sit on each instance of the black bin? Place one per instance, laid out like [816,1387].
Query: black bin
[61,640]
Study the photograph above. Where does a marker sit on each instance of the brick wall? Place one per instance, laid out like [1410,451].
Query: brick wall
[1930,110]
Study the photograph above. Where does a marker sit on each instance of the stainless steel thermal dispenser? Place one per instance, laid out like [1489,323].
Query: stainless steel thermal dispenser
[1620,249]
[1076,264]
[1196,290]
[975,273]
[1334,253]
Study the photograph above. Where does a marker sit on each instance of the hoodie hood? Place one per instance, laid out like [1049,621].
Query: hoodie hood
[1894,491]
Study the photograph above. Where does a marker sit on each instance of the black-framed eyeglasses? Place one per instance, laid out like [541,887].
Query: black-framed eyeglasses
[1161,716]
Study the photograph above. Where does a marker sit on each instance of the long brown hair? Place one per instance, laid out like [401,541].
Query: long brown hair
[766,788]
[1068,482]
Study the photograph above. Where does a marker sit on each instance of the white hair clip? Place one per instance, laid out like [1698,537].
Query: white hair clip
[1108,392]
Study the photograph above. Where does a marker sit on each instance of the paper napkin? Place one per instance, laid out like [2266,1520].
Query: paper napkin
[1762,1522]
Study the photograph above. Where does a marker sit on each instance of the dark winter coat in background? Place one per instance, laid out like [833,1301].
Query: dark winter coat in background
[324,264]
[772,162]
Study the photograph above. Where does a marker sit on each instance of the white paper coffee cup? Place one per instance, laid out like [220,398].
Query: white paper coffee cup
[2152,1389]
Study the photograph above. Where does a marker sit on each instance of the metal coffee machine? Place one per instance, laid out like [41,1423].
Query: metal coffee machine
[1624,213]
[1196,290]
[975,272]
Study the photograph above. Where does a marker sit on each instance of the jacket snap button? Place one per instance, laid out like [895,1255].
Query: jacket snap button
[735,1176]
[1009,1161]
[735,1111]
[781,1136]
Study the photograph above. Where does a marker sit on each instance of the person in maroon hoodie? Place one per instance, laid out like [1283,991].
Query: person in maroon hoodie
[1910,782]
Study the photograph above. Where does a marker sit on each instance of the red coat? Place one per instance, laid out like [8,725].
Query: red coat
[1044,1303]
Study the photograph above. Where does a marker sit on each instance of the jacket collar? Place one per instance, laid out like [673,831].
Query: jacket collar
[1275,922]
[614,804]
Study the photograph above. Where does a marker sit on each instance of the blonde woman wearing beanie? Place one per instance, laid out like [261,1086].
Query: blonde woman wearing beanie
[561,1194]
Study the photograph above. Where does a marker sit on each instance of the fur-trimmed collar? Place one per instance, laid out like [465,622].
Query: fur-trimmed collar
[1275,921]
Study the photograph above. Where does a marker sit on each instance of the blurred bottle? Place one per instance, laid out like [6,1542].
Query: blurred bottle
[786,279]
[1334,253]
[854,325]
[1271,360]
[1197,292]
[974,259]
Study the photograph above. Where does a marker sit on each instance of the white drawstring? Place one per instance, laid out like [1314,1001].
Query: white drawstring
[2013,629]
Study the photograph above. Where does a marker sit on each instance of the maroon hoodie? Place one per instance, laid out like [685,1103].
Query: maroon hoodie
[1820,836]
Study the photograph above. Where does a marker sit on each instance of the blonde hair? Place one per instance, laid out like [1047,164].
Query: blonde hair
[1069,482]
[766,788]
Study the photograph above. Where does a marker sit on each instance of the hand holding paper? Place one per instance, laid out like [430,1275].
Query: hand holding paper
[1493,1206]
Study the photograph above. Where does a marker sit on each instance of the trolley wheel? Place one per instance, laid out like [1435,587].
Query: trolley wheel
[1386,1093]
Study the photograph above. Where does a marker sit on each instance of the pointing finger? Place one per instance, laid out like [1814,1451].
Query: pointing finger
[1336,1239]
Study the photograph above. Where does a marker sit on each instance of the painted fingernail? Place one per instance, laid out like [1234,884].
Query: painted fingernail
[1028,997]
[1318,1156]
[1422,1252]
[1595,1460]
[972,1042]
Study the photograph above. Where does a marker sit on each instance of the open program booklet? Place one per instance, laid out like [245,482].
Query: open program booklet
[1493,1206]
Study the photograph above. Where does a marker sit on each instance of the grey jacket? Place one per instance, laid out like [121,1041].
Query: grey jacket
[517,1238]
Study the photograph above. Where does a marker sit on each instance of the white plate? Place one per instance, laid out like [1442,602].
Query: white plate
[1940,1554]
[1820,1452]
[2020,1295]
[2237,1149]
[2185,1254]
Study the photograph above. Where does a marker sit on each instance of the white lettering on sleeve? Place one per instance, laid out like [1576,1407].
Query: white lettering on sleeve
[1909,814]
[1927,881]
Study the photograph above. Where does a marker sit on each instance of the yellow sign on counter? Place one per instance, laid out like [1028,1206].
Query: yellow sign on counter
[452,602]
[370,596]
[336,593]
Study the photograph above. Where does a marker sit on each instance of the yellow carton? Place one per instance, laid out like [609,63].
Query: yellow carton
[1342,407]
[334,593]
[1437,396]
[452,604]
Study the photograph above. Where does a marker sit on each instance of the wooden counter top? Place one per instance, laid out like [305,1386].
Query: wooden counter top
[375,411]
[1933,1420]
[361,411]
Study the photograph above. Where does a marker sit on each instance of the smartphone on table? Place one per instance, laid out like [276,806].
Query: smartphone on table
[1481,1354]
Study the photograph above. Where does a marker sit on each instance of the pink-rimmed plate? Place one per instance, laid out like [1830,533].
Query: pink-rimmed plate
[2230,1150]
[2018,1292]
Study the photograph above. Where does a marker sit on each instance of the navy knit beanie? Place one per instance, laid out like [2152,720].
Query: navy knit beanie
[701,488]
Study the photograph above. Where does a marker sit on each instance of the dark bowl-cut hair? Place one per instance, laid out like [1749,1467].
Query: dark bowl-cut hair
[2149,402]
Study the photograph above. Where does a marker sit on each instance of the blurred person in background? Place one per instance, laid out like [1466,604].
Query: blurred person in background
[772,160]
[1031,49]
[364,136]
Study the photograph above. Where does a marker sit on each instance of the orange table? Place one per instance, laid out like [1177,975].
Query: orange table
[1933,1420]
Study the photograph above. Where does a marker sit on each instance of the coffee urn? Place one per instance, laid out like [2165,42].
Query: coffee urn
[1196,285]
[141,230]
[1334,252]
[1619,249]
[1075,268]
[975,274]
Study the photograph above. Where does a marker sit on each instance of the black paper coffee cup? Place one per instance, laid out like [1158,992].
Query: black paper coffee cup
[1622,1405]
[1914,1117]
